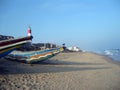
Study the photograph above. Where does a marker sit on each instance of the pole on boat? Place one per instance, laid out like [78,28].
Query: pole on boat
[29,31]
[29,44]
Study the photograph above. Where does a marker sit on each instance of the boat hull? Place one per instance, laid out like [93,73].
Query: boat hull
[41,59]
[8,46]
[34,56]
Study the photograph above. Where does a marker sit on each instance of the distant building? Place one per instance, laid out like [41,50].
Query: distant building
[3,37]
[45,45]
[74,48]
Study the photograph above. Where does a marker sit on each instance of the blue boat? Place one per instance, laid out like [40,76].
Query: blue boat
[33,56]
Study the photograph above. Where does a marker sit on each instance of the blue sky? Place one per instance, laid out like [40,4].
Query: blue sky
[88,24]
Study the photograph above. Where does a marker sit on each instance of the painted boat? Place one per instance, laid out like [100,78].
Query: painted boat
[34,56]
[7,46]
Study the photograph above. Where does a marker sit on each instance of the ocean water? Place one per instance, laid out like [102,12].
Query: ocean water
[113,53]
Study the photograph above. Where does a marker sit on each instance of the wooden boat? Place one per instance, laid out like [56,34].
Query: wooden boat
[7,46]
[34,56]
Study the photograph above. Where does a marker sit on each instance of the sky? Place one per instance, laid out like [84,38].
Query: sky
[88,24]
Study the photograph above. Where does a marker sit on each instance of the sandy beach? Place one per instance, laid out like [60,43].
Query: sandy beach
[66,71]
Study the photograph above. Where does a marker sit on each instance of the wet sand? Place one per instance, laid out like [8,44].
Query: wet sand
[66,71]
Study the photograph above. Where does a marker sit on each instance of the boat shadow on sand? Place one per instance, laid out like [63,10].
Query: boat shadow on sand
[49,66]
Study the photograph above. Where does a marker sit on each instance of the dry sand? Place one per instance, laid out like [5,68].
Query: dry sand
[66,71]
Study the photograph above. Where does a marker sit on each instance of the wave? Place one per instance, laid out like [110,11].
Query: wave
[114,53]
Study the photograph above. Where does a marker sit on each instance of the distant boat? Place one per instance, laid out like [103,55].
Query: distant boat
[7,46]
[33,56]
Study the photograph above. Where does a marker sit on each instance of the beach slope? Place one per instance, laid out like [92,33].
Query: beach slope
[66,71]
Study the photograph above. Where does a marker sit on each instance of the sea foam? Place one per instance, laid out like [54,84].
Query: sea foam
[114,53]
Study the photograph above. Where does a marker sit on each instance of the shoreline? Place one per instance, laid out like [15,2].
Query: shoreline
[108,58]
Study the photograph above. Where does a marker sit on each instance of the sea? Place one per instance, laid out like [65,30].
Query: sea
[113,53]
